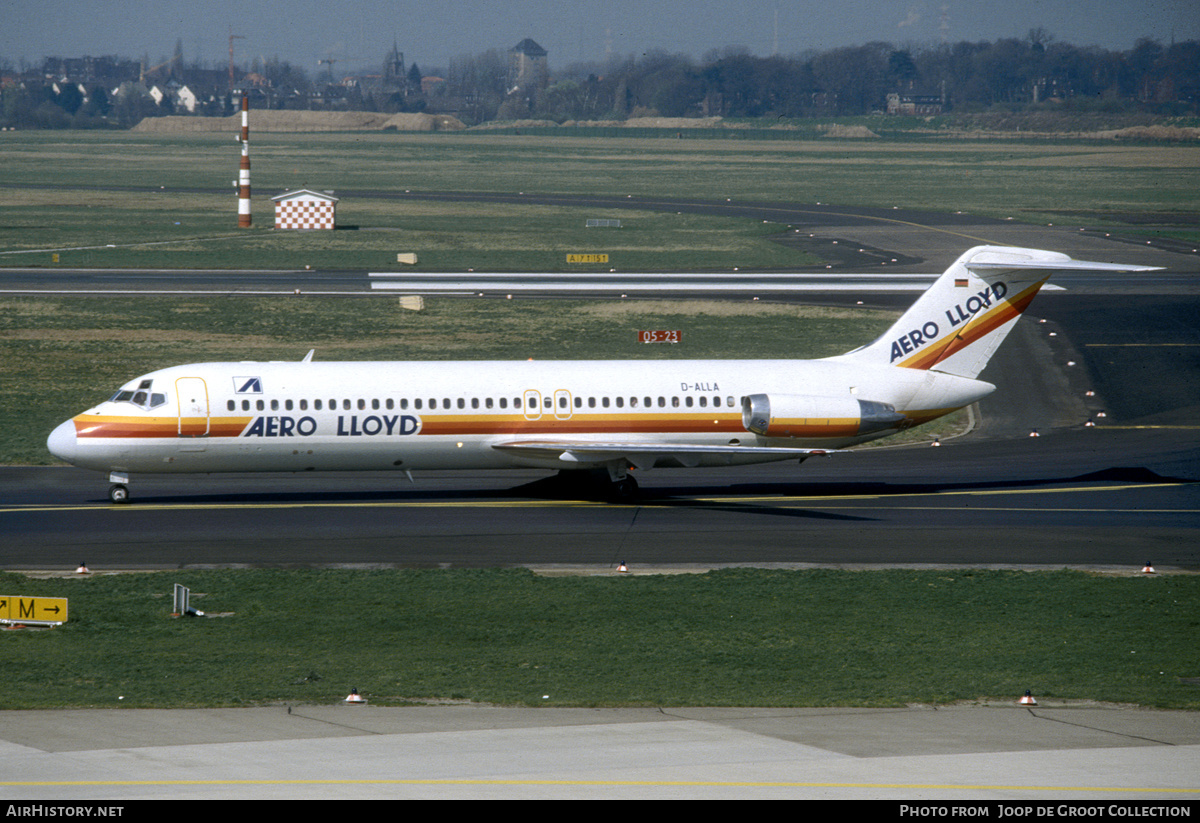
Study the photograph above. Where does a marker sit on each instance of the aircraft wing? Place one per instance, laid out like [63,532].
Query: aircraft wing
[644,454]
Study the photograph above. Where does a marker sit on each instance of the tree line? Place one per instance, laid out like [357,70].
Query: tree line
[964,77]
[856,80]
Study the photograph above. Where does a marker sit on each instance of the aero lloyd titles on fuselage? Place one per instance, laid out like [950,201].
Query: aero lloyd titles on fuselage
[348,425]
[956,315]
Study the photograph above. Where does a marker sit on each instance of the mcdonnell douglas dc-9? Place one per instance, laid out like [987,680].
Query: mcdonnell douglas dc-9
[586,415]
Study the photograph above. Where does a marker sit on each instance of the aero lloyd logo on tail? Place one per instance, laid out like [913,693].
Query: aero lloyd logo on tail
[956,315]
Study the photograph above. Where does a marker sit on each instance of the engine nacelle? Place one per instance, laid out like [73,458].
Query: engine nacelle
[798,415]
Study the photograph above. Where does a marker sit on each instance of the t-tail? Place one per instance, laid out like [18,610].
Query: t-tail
[958,323]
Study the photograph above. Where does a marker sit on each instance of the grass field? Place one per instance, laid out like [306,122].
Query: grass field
[737,637]
[95,196]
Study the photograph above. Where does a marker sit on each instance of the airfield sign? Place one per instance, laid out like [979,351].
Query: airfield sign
[49,611]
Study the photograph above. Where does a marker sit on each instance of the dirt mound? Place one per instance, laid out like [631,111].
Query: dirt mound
[1172,133]
[302,121]
[631,123]
[420,121]
[847,131]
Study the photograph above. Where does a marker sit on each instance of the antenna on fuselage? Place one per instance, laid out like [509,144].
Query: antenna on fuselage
[308,357]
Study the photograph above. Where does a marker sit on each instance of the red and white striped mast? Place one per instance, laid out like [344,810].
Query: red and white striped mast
[244,173]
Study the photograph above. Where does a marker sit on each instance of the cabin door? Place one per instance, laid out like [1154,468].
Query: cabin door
[192,394]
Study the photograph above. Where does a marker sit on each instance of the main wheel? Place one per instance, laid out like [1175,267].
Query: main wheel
[624,490]
[118,493]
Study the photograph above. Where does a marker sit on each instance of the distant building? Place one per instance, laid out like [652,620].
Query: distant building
[528,69]
[920,105]
[395,76]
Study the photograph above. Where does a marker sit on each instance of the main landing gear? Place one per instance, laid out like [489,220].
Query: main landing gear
[622,487]
[623,490]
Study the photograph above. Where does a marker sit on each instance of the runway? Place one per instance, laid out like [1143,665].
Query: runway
[1057,500]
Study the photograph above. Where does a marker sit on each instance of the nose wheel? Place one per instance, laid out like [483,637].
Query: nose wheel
[118,493]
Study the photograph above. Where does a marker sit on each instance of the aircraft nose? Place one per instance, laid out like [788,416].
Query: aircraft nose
[62,442]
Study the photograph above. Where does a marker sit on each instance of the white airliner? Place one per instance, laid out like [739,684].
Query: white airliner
[599,414]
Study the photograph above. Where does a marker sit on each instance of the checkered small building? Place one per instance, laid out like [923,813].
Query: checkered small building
[305,209]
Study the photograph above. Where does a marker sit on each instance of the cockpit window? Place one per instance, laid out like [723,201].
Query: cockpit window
[143,398]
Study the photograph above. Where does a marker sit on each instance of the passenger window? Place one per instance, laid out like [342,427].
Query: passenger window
[260,405]
[303,405]
[504,402]
[274,405]
[604,402]
[230,406]
[316,405]
[620,402]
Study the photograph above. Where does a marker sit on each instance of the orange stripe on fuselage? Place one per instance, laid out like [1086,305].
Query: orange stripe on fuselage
[89,427]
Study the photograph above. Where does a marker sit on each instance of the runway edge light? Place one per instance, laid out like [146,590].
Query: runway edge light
[1027,699]
[354,697]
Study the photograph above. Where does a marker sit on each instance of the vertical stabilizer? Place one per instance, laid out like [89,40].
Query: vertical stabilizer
[960,321]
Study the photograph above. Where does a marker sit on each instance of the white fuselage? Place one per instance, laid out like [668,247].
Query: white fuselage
[303,416]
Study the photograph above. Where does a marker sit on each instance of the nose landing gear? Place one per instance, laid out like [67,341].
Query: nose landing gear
[118,492]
